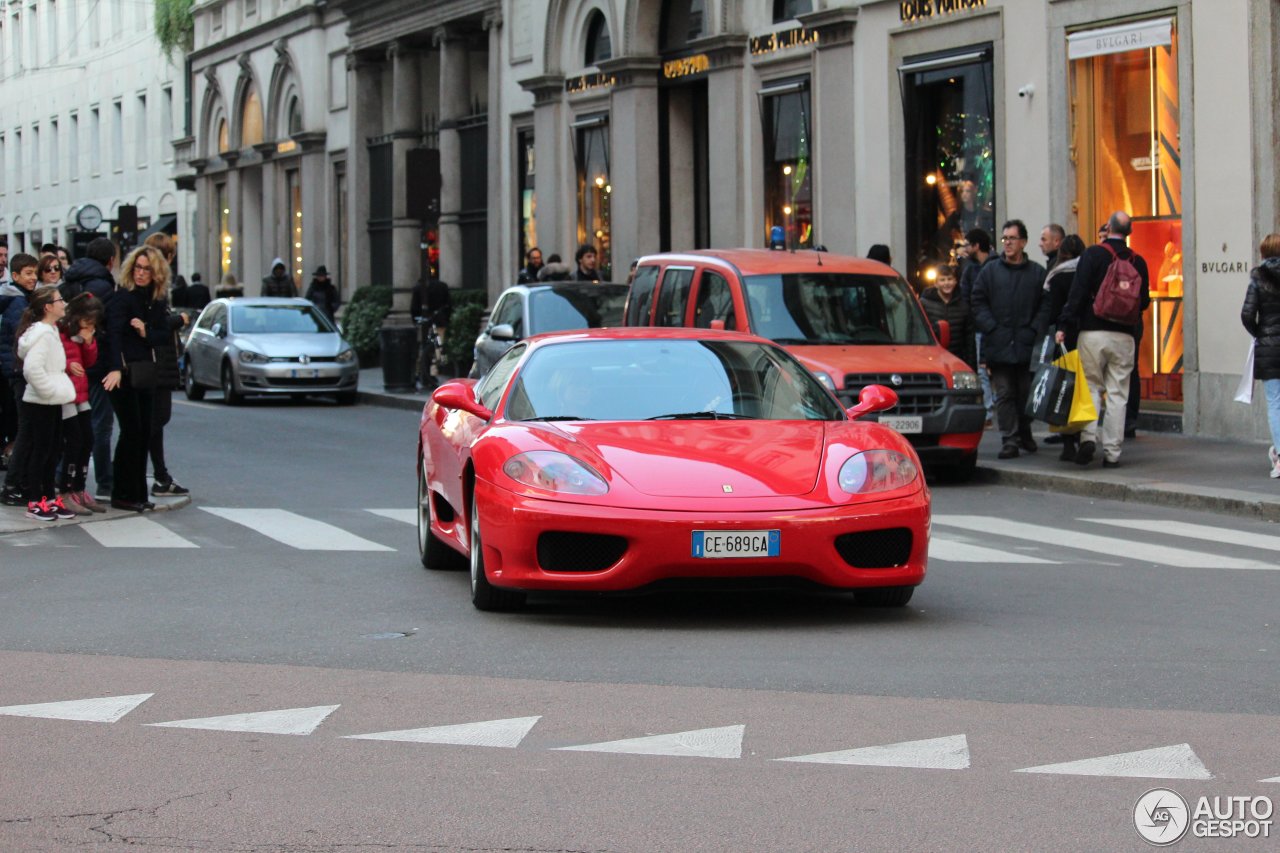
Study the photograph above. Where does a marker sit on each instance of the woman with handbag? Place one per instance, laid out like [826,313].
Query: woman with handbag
[1260,315]
[168,379]
[130,343]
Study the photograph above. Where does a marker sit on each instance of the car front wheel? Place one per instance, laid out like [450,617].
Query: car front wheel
[432,550]
[484,595]
[193,389]
[230,395]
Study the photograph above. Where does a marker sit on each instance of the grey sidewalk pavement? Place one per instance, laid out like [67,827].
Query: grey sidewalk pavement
[14,519]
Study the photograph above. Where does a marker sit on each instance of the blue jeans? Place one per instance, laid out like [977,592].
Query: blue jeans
[103,417]
[1272,388]
[984,378]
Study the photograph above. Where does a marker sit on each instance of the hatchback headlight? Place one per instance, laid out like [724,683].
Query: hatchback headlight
[249,357]
[555,472]
[347,356]
[877,471]
[965,380]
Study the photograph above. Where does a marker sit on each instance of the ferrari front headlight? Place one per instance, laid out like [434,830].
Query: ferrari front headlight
[877,471]
[555,472]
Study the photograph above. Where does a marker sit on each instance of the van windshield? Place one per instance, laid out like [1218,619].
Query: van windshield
[836,308]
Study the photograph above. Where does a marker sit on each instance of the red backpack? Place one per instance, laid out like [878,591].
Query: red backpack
[1119,297]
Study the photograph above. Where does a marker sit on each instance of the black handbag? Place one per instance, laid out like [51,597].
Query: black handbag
[143,375]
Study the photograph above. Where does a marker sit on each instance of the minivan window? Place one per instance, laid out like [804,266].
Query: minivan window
[674,297]
[641,298]
[715,302]
[835,308]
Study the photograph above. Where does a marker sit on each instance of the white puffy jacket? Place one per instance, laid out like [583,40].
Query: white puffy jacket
[44,365]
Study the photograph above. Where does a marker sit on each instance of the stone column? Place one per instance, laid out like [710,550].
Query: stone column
[406,133]
[635,206]
[364,81]
[454,86]
[237,268]
[554,157]
[728,111]
[316,195]
[834,119]
[500,265]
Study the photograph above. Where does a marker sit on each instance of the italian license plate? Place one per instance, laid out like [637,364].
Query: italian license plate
[903,423]
[736,543]
[306,374]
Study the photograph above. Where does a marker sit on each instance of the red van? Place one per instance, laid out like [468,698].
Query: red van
[852,321]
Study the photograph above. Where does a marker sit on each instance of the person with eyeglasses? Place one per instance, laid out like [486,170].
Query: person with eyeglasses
[49,271]
[49,388]
[1011,310]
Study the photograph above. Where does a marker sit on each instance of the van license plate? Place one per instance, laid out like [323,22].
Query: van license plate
[904,424]
[736,543]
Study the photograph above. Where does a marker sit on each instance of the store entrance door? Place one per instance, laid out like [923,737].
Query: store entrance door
[948,104]
[684,189]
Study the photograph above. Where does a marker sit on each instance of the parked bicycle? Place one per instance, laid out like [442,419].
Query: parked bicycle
[429,352]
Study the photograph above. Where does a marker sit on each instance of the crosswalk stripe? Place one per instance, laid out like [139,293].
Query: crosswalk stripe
[497,733]
[943,753]
[1165,762]
[1112,547]
[136,533]
[296,531]
[1194,531]
[289,721]
[104,709]
[723,742]
[408,516]
[955,551]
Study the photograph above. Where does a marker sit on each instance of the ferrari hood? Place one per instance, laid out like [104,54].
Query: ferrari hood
[708,458]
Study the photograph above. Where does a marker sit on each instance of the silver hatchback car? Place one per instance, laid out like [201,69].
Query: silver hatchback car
[268,346]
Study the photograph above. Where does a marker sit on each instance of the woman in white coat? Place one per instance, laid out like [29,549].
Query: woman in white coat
[49,388]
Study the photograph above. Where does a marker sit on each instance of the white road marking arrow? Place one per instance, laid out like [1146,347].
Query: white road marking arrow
[503,733]
[724,742]
[107,709]
[290,721]
[941,753]
[1165,762]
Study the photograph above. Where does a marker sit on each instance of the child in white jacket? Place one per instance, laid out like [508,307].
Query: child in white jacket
[44,366]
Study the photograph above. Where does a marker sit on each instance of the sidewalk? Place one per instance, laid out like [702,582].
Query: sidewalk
[13,519]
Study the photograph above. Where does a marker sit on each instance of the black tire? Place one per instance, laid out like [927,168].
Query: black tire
[432,551]
[190,387]
[346,398]
[230,395]
[484,595]
[884,596]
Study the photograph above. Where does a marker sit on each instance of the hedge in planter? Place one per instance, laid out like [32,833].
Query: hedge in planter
[363,316]
[464,325]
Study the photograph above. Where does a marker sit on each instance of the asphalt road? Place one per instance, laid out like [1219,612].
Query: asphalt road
[1086,629]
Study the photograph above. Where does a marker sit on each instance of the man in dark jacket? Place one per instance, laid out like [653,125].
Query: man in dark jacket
[586,258]
[92,273]
[1107,349]
[533,265]
[322,293]
[279,283]
[1011,311]
[197,293]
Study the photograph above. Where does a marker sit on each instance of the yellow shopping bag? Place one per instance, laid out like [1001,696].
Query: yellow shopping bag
[1082,409]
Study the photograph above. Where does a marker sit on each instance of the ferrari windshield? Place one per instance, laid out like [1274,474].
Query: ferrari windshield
[635,380]
[836,308]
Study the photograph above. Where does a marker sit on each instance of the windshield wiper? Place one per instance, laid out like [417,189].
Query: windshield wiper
[703,416]
[560,418]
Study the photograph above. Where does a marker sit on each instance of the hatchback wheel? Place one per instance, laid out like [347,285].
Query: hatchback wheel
[193,389]
[230,395]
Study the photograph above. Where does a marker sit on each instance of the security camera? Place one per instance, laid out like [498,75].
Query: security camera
[1027,91]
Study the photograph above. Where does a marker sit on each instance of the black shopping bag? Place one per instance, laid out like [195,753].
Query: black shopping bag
[1046,350]
[1051,392]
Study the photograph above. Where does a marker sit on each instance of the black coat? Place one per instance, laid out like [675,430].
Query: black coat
[1011,310]
[1261,316]
[1077,315]
[86,274]
[323,295]
[958,316]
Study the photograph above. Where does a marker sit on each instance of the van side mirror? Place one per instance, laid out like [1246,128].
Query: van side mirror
[943,328]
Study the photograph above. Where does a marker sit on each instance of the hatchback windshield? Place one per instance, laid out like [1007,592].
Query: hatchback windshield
[636,380]
[588,307]
[277,319]
[809,308]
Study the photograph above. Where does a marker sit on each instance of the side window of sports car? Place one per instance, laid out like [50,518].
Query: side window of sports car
[490,388]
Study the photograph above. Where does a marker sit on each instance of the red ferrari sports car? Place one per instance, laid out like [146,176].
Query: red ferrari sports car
[609,459]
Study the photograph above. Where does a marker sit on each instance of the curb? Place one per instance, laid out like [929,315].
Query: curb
[1153,492]
[391,401]
[21,524]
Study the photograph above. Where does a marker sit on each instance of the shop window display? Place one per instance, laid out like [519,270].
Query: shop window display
[1125,134]
[595,193]
[788,166]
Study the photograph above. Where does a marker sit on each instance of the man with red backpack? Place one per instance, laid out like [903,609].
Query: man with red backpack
[1110,291]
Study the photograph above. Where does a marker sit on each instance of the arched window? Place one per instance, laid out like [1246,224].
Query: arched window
[294,114]
[251,119]
[785,10]
[599,46]
[224,136]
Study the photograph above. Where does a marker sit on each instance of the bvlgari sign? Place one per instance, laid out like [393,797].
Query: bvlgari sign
[923,10]
[1136,36]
